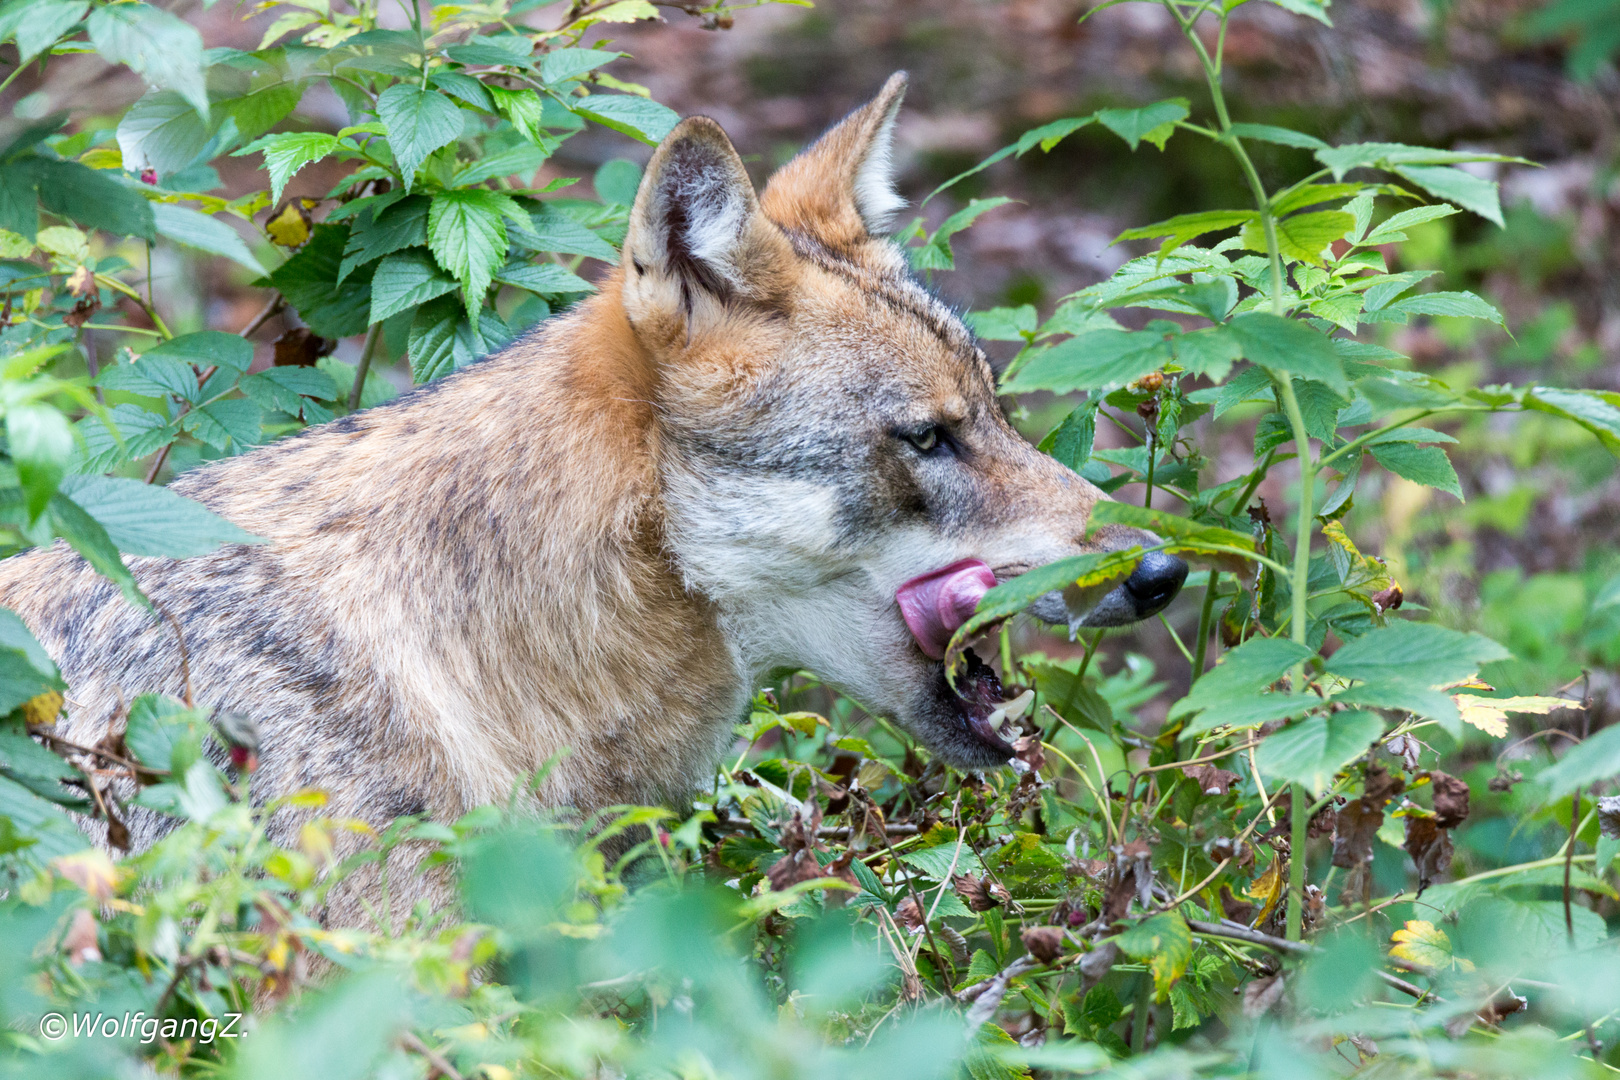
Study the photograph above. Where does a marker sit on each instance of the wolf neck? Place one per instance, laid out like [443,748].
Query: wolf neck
[496,543]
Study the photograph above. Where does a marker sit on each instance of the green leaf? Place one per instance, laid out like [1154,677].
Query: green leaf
[204,348]
[158,727]
[1298,198]
[1464,305]
[1003,323]
[51,832]
[1596,759]
[404,280]
[285,154]
[144,519]
[1389,231]
[1155,122]
[39,24]
[1251,710]
[1013,596]
[162,48]
[1287,345]
[1210,351]
[1310,751]
[521,160]
[1315,9]
[549,230]
[204,233]
[89,539]
[161,131]
[935,253]
[1280,136]
[257,111]
[442,339]
[1071,441]
[91,198]
[419,122]
[1597,411]
[309,281]
[393,228]
[1422,700]
[1419,654]
[1185,535]
[1093,360]
[1243,672]
[1165,942]
[1049,135]
[1456,186]
[563,64]
[40,440]
[547,278]
[463,88]
[1185,227]
[467,234]
[222,423]
[1303,236]
[1426,465]
[635,116]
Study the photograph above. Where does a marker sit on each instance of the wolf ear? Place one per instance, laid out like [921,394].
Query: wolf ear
[841,190]
[696,233]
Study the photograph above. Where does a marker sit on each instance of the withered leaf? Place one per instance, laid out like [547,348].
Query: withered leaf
[1260,995]
[1381,786]
[1450,799]
[1353,832]
[908,914]
[1210,780]
[82,942]
[1608,808]
[1430,848]
[1045,943]
[980,894]
[300,348]
[1239,911]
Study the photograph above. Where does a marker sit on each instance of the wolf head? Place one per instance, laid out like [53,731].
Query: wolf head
[829,431]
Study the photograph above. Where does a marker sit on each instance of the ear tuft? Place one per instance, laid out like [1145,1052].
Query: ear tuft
[841,190]
[876,201]
[693,208]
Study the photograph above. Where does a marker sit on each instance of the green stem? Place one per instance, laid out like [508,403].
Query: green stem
[1144,1004]
[1204,615]
[1152,449]
[366,353]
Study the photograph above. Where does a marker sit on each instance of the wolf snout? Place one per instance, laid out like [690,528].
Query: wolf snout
[1155,582]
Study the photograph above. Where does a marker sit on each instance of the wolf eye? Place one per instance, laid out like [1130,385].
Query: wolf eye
[925,440]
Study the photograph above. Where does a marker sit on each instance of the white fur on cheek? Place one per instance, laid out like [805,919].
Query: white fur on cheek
[875,198]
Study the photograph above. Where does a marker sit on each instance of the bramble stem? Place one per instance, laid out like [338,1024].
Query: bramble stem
[1204,614]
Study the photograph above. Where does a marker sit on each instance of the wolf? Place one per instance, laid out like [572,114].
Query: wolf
[728,461]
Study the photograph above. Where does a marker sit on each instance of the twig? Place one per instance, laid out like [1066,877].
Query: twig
[1238,932]
[441,1067]
[134,766]
[268,312]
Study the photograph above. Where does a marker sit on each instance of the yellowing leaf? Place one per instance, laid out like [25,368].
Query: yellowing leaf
[103,157]
[1490,714]
[1165,942]
[1268,889]
[1425,946]
[43,708]
[13,246]
[289,226]
[91,871]
[625,11]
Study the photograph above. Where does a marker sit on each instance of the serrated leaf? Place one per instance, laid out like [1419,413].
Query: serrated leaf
[1426,465]
[1093,360]
[1304,236]
[1185,227]
[1421,654]
[635,116]
[1280,136]
[1490,714]
[89,197]
[1287,345]
[1389,231]
[1456,186]
[1463,305]
[419,122]
[37,25]
[1243,673]
[1165,942]
[406,279]
[1597,411]
[547,278]
[1152,122]
[285,154]
[392,228]
[1425,946]
[161,131]
[1185,536]
[560,65]
[204,348]
[40,440]
[467,235]
[1598,758]
[144,519]
[309,281]
[1312,750]
[1013,596]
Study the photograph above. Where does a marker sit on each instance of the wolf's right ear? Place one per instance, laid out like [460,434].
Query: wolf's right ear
[697,241]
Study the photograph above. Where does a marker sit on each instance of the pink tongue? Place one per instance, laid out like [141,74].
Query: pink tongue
[938,602]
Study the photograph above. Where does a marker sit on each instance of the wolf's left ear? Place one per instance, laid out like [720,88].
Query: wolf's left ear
[696,236]
[841,190]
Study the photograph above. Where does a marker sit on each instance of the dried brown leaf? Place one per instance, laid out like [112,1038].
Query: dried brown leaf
[1450,799]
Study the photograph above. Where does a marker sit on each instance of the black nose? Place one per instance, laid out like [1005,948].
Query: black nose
[1155,582]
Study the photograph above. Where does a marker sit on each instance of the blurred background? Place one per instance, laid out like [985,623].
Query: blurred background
[1528,554]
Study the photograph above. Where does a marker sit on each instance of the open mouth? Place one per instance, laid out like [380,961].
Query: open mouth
[979,696]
